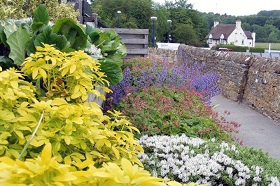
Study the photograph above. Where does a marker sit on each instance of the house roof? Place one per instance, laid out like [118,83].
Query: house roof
[248,34]
[225,29]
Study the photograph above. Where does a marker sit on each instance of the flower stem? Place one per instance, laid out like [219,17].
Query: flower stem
[32,136]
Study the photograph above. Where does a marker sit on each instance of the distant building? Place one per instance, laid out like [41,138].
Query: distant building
[230,34]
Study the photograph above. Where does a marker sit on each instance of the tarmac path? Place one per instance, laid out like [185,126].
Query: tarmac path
[256,130]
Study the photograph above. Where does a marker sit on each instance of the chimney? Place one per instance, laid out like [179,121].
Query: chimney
[216,23]
[238,23]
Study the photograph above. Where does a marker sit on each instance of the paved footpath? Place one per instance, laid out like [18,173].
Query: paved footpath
[256,130]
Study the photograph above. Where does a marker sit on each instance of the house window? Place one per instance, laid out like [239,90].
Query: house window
[242,41]
[210,41]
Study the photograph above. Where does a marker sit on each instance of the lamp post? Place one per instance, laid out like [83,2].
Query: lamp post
[169,36]
[119,12]
[153,31]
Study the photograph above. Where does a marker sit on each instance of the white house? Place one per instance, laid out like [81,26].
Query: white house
[230,34]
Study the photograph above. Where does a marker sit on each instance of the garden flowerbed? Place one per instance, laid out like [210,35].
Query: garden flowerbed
[183,139]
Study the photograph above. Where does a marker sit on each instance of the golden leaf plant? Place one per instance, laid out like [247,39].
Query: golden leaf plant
[78,144]
[17,9]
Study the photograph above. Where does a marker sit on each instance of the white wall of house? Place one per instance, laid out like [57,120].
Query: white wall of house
[237,37]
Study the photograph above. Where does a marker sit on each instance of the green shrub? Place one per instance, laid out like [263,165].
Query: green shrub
[19,38]
[255,49]
[233,47]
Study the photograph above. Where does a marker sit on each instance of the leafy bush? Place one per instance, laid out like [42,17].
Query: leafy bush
[144,72]
[187,159]
[19,38]
[170,111]
[17,9]
[233,47]
[77,130]
[46,170]
[255,49]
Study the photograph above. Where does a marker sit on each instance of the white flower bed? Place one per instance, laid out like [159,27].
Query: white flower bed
[176,158]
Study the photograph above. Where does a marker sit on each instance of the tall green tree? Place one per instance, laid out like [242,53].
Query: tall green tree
[185,33]
[162,15]
[134,13]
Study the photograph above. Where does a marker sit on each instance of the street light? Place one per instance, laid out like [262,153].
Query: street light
[169,36]
[153,31]
[119,12]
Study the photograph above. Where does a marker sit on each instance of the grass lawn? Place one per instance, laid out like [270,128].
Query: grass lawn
[274,46]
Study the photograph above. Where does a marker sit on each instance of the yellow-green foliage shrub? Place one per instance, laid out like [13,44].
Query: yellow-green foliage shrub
[51,136]
[17,9]
[45,170]
[77,130]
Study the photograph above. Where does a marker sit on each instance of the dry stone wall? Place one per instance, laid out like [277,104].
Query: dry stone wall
[263,87]
[251,79]
[232,67]
[163,54]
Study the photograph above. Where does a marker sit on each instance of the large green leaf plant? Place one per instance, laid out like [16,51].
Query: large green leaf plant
[19,38]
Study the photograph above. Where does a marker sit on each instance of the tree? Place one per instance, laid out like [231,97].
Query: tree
[162,15]
[185,33]
[134,13]
[246,27]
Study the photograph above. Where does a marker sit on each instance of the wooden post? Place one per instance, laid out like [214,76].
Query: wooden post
[80,18]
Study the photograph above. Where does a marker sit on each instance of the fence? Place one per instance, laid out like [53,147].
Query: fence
[135,40]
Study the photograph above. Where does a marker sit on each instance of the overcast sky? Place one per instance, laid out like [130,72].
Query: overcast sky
[233,7]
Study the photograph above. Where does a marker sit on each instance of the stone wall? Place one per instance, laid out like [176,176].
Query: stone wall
[162,54]
[262,91]
[247,78]
[232,67]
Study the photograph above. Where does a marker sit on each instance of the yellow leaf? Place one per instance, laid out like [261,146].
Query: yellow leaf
[64,71]
[83,90]
[67,160]
[35,72]
[43,73]
[46,153]
[28,117]
[148,181]
[76,95]
[53,61]
[14,152]
[14,84]
[59,101]
[37,143]
[174,183]
[6,115]
[116,152]
[78,120]
[107,90]
[126,164]
[7,160]
[19,134]
[107,143]
[76,89]
[67,139]
[102,175]
[66,177]
[72,68]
